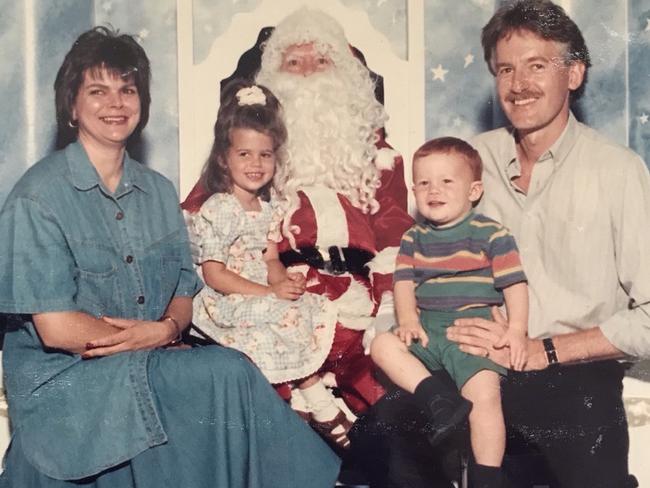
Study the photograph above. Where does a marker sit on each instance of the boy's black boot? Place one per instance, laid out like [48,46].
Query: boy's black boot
[442,404]
[486,476]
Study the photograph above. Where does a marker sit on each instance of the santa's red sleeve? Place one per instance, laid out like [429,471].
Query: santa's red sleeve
[391,220]
[197,196]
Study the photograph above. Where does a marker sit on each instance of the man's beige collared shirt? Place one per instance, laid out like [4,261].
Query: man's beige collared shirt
[583,231]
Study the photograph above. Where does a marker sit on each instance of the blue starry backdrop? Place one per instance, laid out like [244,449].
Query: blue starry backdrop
[35,35]
[458,88]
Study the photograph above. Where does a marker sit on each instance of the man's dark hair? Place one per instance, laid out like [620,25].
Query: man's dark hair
[544,19]
[94,50]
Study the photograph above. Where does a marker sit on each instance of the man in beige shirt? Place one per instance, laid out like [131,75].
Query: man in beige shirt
[579,208]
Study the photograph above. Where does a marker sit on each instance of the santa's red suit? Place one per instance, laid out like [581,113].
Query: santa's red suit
[349,256]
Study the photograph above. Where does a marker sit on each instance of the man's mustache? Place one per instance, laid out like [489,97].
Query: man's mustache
[513,97]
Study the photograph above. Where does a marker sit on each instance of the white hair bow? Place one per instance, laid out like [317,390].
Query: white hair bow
[251,95]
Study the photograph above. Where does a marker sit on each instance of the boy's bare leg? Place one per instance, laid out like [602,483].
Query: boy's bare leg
[393,357]
[487,428]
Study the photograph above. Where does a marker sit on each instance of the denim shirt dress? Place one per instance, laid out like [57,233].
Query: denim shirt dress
[68,244]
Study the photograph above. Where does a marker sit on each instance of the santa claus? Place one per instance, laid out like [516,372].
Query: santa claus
[341,188]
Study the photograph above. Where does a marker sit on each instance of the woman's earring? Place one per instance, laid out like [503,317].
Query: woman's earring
[73,125]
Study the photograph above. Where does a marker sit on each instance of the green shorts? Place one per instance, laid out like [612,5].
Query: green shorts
[441,353]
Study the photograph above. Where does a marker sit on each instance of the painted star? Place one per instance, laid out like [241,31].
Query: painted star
[643,118]
[647,26]
[469,59]
[143,34]
[457,121]
[439,73]
[107,6]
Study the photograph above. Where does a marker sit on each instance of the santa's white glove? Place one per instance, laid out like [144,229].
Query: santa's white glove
[383,321]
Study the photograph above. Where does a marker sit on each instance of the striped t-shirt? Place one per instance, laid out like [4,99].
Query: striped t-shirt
[459,267]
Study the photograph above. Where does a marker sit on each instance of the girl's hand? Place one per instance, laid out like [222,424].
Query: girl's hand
[408,333]
[287,289]
[298,278]
[136,335]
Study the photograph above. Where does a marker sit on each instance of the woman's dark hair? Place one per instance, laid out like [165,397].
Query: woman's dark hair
[97,49]
[546,20]
[264,117]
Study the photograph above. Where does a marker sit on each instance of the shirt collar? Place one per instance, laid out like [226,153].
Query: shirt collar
[134,175]
[84,175]
[560,149]
[557,153]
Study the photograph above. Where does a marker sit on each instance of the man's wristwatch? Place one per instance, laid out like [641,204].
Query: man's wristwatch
[549,349]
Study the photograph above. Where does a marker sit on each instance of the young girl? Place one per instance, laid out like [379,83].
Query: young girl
[251,302]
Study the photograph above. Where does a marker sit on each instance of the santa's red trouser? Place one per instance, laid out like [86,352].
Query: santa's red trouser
[354,371]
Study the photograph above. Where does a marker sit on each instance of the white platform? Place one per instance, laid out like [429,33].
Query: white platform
[637,405]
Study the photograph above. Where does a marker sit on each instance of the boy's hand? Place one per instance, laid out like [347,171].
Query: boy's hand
[518,343]
[288,289]
[408,333]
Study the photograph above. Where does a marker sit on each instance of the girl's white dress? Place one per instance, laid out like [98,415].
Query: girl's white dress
[286,339]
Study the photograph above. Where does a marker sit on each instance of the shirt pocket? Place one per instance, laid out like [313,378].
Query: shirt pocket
[98,292]
[162,271]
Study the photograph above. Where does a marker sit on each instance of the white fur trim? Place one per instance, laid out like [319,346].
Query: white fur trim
[328,210]
[355,307]
[387,305]
[385,159]
[303,26]
[303,269]
[329,380]
[384,261]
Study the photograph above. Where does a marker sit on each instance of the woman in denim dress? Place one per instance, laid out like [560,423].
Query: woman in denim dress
[97,282]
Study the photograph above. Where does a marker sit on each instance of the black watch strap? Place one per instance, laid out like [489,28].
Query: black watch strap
[551,354]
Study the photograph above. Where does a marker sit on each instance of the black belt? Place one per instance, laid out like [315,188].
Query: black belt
[341,259]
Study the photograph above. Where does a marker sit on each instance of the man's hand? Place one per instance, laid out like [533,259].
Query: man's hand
[136,335]
[408,333]
[289,289]
[479,337]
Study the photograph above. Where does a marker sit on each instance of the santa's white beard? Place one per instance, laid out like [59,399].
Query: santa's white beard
[331,129]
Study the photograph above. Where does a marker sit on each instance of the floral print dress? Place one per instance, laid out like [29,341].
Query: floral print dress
[287,340]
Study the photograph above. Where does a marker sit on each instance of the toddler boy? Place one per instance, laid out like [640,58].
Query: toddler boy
[457,263]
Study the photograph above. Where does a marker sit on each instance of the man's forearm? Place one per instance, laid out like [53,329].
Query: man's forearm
[585,345]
